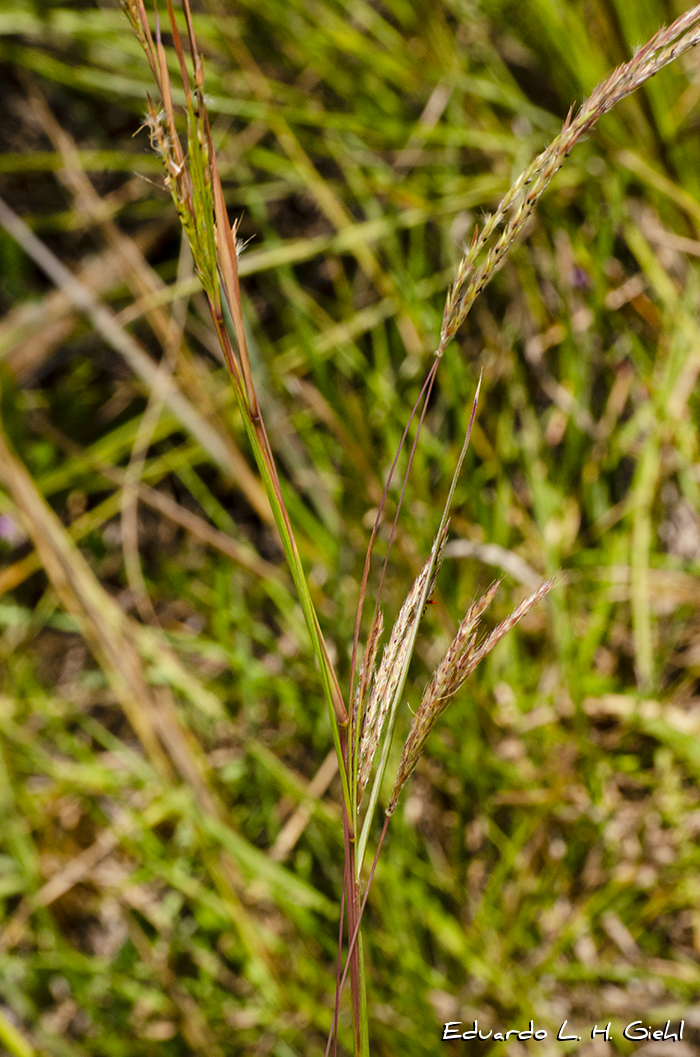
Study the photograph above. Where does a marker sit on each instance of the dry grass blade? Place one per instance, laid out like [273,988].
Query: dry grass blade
[135,356]
[16,573]
[114,639]
[30,332]
[72,873]
[459,662]
[100,620]
[296,824]
[144,280]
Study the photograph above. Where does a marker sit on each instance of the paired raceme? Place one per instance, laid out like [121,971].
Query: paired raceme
[462,656]
[393,664]
[522,198]
[459,662]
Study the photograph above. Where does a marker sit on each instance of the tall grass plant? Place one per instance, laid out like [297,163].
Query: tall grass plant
[578,456]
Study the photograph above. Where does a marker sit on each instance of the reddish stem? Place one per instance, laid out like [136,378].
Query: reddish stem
[353,936]
[425,392]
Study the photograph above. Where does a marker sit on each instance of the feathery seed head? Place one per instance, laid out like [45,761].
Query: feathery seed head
[514,210]
[459,662]
[392,666]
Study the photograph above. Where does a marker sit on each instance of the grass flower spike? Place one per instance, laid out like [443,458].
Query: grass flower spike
[392,666]
[518,205]
[362,722]
[192,177]
[462,657]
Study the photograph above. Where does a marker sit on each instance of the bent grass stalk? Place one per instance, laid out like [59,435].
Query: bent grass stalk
[364,727]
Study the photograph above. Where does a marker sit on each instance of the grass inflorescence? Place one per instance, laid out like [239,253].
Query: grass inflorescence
[192,617]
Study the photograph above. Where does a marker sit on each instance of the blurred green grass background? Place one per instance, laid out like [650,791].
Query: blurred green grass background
[544,864]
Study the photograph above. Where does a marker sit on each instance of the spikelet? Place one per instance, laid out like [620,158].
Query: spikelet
[368,670]
[459,662]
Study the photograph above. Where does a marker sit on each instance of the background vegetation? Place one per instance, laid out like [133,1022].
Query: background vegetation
[544,864]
